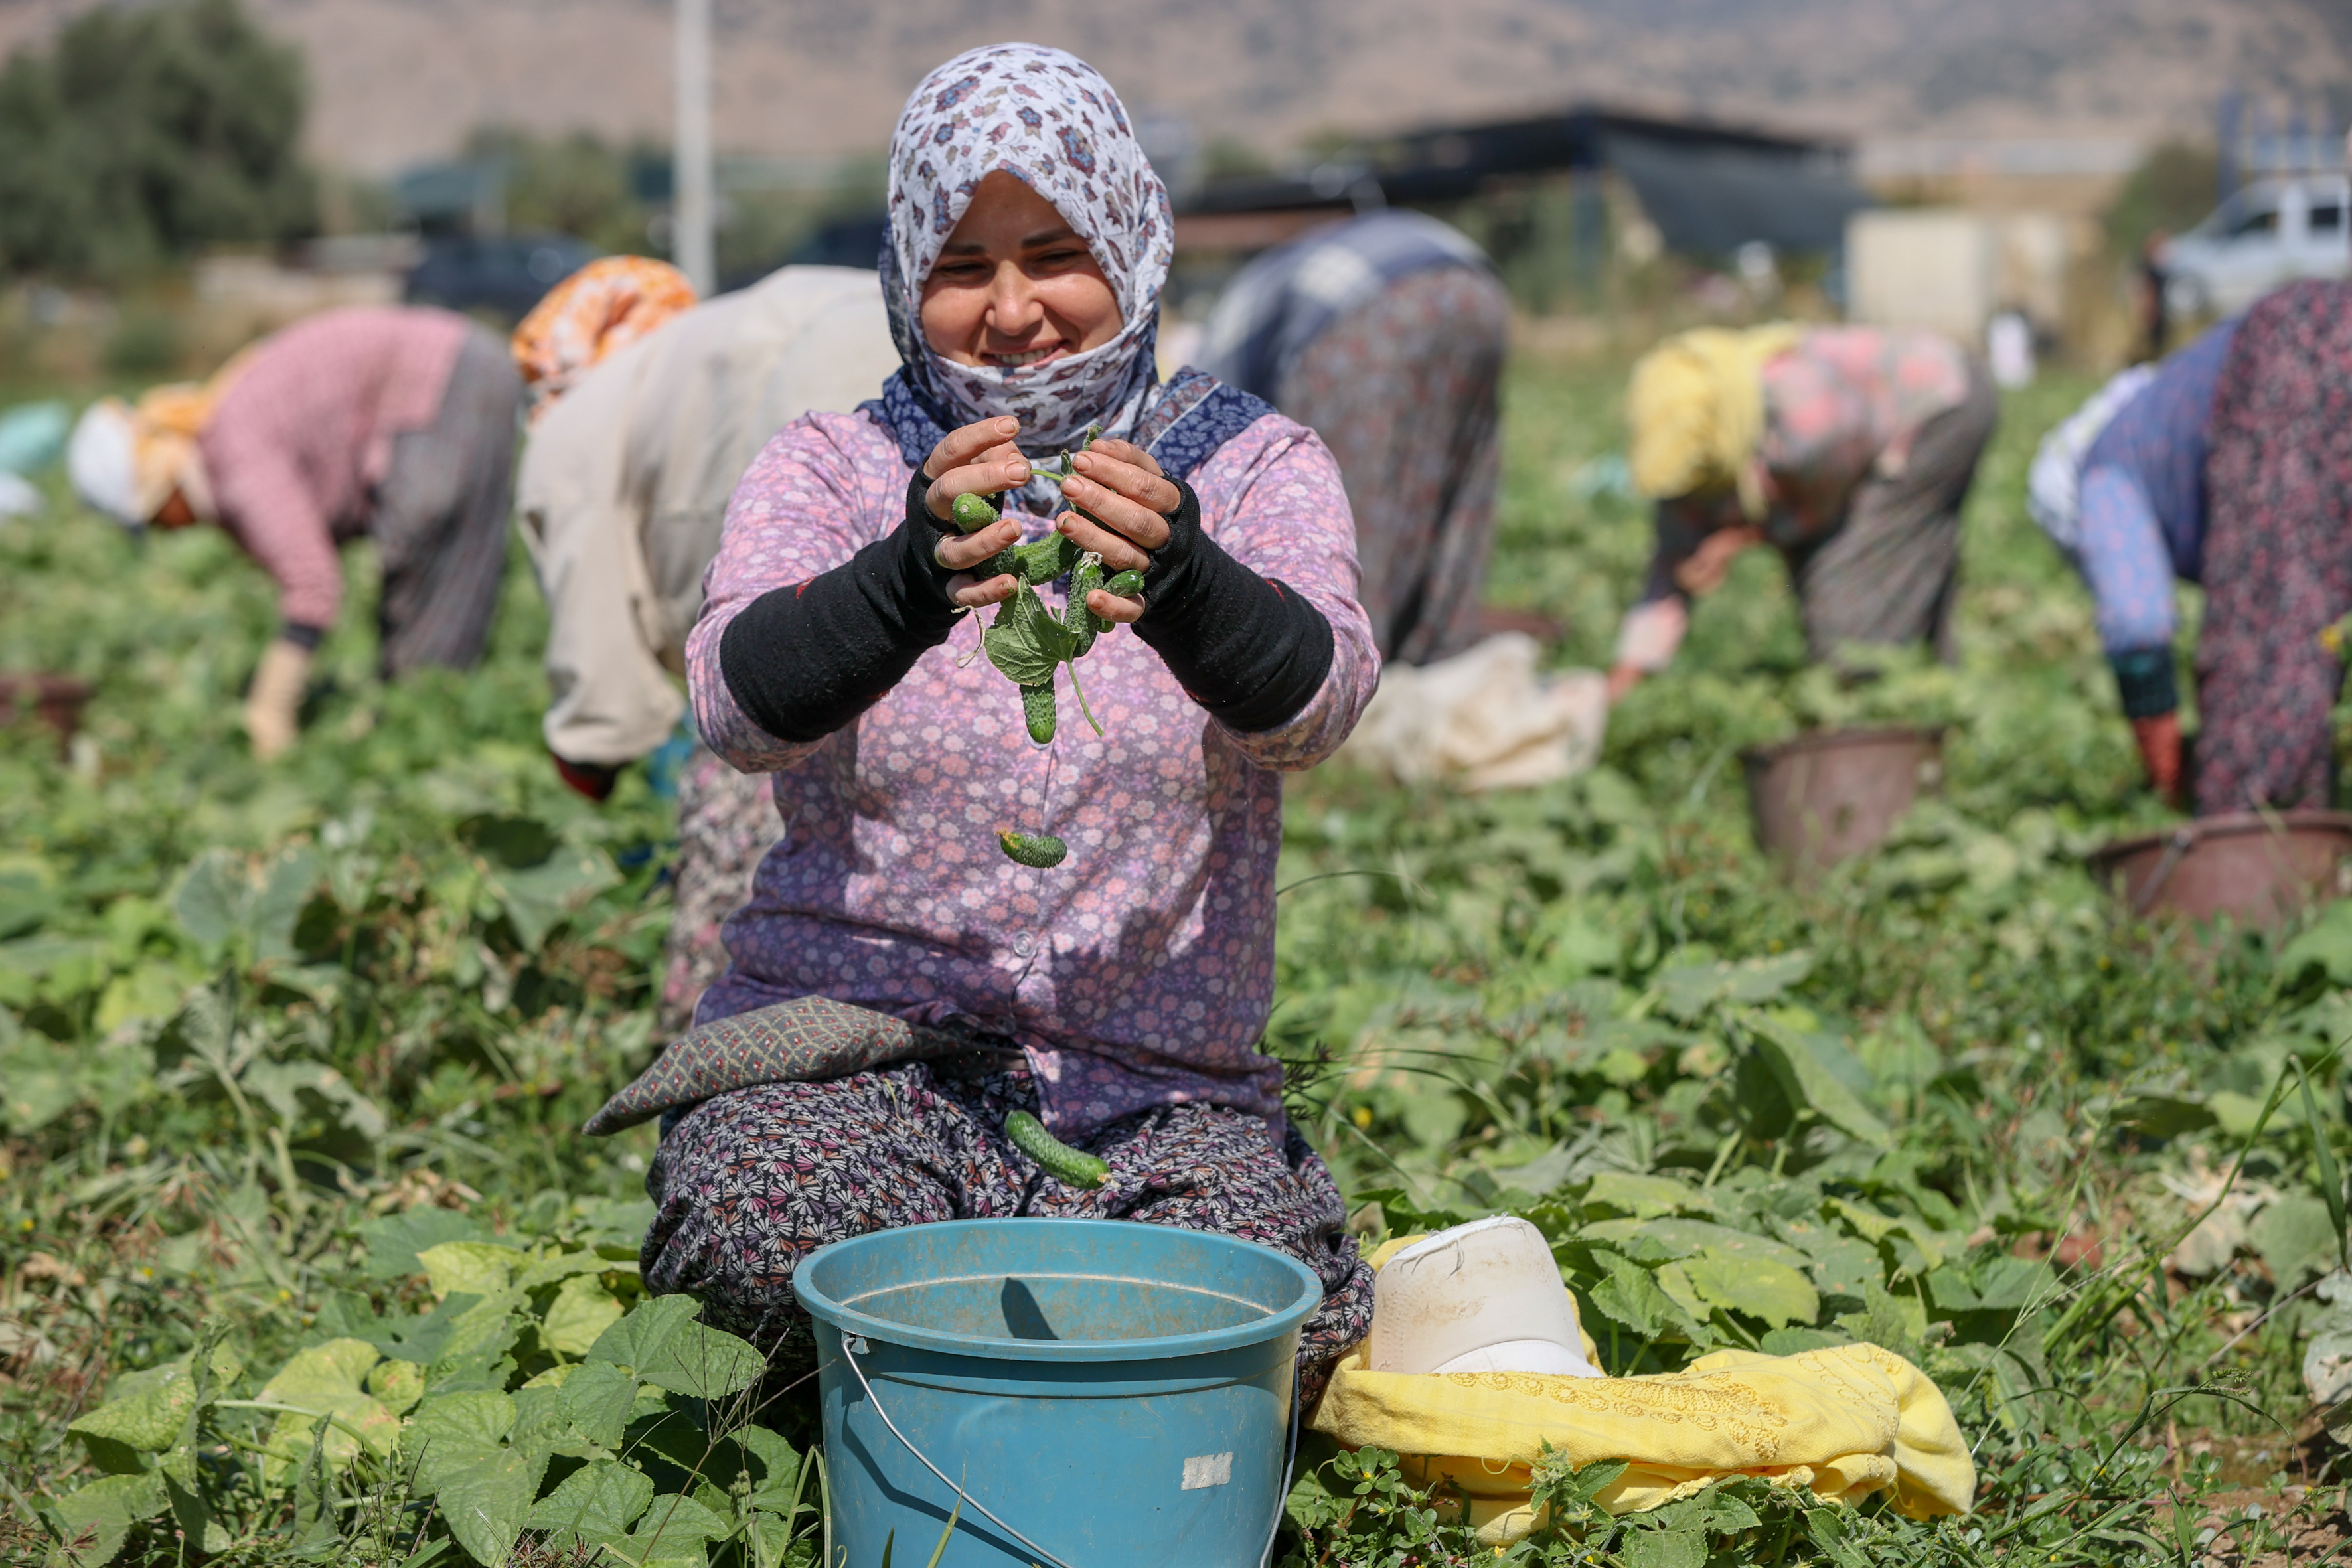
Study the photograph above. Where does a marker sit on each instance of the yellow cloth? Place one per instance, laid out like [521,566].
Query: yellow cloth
[1696,411]
[1845,1421]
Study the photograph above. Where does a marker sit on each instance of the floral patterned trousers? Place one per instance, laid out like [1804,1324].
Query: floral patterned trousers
[2278,553]
[749,1182]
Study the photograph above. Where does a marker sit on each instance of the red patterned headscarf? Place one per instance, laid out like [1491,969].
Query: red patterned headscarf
[607,305]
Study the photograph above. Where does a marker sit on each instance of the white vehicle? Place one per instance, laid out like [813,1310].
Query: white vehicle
[2270,232]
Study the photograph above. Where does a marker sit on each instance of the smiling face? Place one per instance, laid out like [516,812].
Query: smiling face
[1014,285]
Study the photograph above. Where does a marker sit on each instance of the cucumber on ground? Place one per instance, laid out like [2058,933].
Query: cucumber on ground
[1039,850]
[1038,707]
[1060,1161]
[972,512]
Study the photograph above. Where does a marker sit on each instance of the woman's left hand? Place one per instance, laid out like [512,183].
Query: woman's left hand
[1120,484]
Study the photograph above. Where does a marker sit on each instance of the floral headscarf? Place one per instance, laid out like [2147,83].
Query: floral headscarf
[607,305]
[1051,119]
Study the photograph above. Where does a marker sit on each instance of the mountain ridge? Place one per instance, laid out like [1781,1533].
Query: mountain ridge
[394,81]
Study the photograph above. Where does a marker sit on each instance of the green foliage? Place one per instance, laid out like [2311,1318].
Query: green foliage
[2173,189]
[144,132]
[302,1256]
[577,185]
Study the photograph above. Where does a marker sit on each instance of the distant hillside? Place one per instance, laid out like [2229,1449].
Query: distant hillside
[397,80]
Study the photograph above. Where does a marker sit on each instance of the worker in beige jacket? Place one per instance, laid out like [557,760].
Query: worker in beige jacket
[634,454]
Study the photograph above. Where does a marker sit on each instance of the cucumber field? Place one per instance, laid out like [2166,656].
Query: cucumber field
[307,1260]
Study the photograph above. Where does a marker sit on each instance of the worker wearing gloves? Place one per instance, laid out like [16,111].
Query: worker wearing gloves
[2120,489]
[1849,449]
[1384,334]
[623,489]
[1119,996]
[398,423]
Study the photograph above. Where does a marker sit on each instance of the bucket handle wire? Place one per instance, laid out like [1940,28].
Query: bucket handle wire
[855,1345]
[851,1346]
[2182,840]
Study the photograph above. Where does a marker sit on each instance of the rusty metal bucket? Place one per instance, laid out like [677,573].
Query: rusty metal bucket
[1834,793]
[56,699]
[2259,870]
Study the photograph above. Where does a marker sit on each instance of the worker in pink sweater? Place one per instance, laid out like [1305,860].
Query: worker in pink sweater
[395,422]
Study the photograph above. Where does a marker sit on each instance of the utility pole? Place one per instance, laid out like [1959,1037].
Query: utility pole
[692,220]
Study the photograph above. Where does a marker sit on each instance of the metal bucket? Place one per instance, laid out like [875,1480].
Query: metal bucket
[1075,1393]
[1830,796]
[2260,870]
[56,700]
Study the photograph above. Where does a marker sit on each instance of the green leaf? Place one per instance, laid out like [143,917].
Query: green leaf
[1670,1238]
[582,1309]
[780,1463]
[662,1344]
[1635,1297]
[538,898]
[2329,1175]
[393,1243]
[1687,991]
[596,1503]
[676,1514]
[1809,1082]
[146,1412]
[2325,944]
[225,895]
[450,1432]
[486,1501]
[1664,1549]
[476,1267]
[1762,1287]
[1843,1266]
[326,1381]
[97,1519]
[2296,1235]
[600,1398]
[1643,1197]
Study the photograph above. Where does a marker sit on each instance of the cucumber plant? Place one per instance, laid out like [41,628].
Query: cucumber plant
[1027,642]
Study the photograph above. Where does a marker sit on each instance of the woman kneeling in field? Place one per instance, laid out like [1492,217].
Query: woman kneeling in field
[1119,996]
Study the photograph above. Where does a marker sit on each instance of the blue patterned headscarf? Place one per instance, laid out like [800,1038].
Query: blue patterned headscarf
[1050,120]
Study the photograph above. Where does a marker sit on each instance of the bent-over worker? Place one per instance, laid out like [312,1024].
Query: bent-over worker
[623,489]
[396,423]
[2120,489]
[1849,449]
[1384,334]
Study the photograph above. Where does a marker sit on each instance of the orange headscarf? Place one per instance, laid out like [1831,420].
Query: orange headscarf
[607,304]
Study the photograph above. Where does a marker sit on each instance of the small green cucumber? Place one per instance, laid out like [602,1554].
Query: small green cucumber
[1127,584]
[1060,1161]
[1042,850]
[972,512]
[1038,707]
[1084,623]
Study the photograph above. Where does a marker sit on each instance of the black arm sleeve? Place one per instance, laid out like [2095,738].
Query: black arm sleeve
[1247,648]
[804,659]
[2144,679]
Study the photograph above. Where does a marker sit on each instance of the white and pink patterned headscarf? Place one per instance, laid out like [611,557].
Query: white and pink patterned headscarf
[1051,119]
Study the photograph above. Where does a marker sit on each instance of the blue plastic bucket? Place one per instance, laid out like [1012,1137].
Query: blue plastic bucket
[1106,1395]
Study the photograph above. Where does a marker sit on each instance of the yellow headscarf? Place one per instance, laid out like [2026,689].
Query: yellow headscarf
[1696,409]
[154,449]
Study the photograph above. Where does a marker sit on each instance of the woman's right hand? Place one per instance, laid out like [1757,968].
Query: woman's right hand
[978,460]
